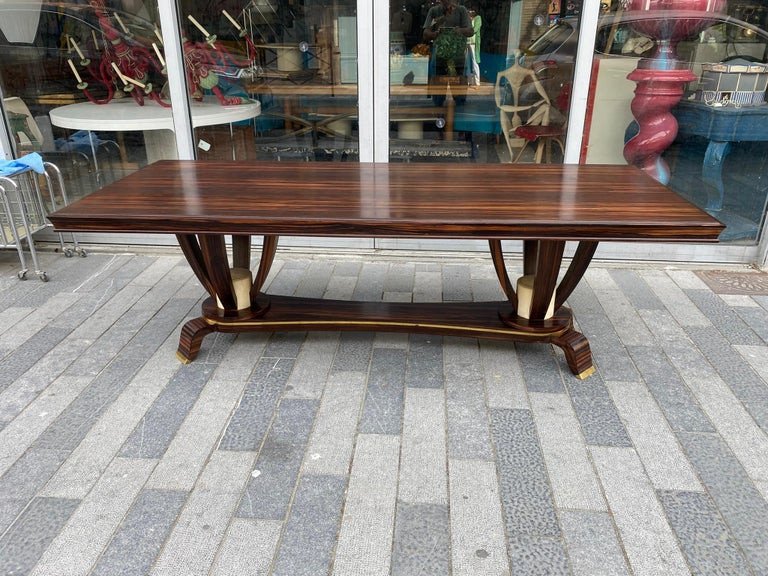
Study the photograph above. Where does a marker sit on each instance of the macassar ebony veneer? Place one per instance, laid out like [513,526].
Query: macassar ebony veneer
[202,202]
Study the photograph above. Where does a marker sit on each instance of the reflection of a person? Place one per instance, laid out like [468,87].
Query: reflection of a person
[448,25]
[473,43]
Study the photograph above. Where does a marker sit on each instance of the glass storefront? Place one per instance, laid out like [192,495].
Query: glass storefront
[104,87]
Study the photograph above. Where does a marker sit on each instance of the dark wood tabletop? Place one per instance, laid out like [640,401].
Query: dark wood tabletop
[495,201]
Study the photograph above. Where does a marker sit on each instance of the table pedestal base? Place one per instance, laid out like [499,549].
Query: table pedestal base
[494,320]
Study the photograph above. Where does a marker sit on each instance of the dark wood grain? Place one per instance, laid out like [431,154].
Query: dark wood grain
[537,202]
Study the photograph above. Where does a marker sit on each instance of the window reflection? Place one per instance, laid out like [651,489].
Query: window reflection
[302,73]
[467,85]
[718,157]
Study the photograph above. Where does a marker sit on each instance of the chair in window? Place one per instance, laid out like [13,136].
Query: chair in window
[35,134]
[544,134]
[522,102]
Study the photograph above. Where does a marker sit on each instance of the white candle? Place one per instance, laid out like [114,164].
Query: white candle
[159,54]
[119,74]
[135,82]
[77,49]
[74,71]
[95,40]
[160,38]
[117,17]
[198,25]
[234,22]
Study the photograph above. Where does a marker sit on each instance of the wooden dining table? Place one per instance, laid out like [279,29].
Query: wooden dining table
[205,202]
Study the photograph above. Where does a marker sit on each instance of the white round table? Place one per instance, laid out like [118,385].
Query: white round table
[155,121]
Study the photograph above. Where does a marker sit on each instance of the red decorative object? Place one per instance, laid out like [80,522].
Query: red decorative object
[128,65]
[661,78]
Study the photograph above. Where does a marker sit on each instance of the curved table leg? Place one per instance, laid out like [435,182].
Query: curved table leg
[497,256]
[268,249]
[573,275]
[192,334]
[549,258]
[577,353]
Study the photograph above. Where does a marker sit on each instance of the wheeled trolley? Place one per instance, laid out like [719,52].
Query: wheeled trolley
[24,212]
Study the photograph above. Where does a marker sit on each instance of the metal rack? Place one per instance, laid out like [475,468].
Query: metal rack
[26,199]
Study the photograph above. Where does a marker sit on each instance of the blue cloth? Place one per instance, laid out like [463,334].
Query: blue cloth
[31,161]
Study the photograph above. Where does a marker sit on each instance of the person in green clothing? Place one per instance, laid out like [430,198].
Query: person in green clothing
[473,43]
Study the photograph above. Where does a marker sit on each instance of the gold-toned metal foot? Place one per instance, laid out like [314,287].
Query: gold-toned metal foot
[183,359]
[586,373]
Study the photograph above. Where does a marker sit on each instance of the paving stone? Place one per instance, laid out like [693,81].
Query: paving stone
[195,538]
[504,383]
[333,437]
[370,282]
[427,286]
[310,371]
[649,542]
[101,444]
[478,546]
[456,283]
[757,357]
[756,318]
[286,280]
[425,361]
[723,318]
[680,408]
[740,504]
[157,428]
[201,430]
[41,521]
[538,556]
[141,534]
[600,422]
[80,543]
[271,486]
[734,424]
[39,319]
[593,546]
[284,345]
[423,448]
[624,318]
[399,278]
[468,435]
[608,352]
[251,419]
[247,548]
[16,364]
[21,432]
[422,540]
[664,327]
[45,372]
[315,280]
[540,368]
[309,537]
[367,526]
[635,289]
[674,298]
[70,427]
[523,482]
[354,352]
[574,483]
[486,290]
[708,545]
[746,385]
[654,442]
[383,406]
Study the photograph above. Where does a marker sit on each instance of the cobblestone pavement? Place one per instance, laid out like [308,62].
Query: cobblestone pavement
[362,454]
